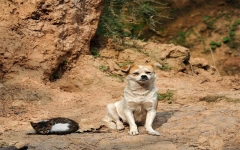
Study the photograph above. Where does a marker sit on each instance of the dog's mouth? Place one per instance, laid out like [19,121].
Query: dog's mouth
[143,79]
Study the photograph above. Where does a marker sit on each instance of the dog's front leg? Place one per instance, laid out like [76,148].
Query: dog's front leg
[130,118]
[151,114]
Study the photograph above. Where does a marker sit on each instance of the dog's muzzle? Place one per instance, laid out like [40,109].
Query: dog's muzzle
[144,78]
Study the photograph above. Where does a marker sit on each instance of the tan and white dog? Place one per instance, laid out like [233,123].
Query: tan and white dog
[139,103]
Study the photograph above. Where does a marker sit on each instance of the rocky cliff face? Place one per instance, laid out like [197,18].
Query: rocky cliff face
[39,37]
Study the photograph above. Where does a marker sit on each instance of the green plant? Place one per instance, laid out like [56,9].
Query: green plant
[232,33]
[218,44]
[231,41]
[168,96]
[214,45]
[95,53]
[166,67]
[232,29]
[226,39]
[235,24]
[209,21]
[180,38]
[103,68]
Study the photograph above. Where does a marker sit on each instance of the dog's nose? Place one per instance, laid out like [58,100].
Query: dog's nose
[144,77]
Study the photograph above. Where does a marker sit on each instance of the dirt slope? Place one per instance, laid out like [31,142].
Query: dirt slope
[198,24]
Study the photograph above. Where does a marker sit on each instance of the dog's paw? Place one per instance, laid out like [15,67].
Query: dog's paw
[133,132]
[153,132]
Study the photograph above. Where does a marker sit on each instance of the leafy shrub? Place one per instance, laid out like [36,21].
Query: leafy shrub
[127,18]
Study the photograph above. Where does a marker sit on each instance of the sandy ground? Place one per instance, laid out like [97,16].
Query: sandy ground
[188,123]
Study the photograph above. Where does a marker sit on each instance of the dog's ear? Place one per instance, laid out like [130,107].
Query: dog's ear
[156,65]
[126,69]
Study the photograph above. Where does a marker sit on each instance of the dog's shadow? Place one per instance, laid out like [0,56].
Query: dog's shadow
[161,118]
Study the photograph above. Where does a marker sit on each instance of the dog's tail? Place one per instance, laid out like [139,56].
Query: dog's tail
[107,121]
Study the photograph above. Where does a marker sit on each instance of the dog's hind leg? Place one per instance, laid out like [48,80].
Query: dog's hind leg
[112,113]
[109,122]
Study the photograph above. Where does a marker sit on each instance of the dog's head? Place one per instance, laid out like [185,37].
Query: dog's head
[140,73]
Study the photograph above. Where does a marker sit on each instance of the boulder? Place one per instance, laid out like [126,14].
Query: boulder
[175,57]
[39,37]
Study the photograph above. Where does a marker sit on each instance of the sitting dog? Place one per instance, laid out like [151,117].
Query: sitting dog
[139,103]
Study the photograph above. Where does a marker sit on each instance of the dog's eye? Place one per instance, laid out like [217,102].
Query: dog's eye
[148,72]
[136,73]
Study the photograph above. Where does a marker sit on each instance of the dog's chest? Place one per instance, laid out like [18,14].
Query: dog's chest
[140,102]
[140,99]
[140,105]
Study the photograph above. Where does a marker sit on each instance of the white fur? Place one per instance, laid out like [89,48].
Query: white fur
[139,104]
[60,127]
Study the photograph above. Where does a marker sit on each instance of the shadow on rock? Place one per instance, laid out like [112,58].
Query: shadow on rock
[14,148]
[161,118]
